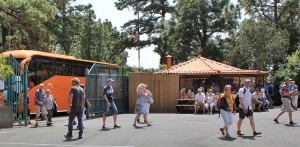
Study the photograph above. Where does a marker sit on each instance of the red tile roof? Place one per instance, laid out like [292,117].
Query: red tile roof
[201,65]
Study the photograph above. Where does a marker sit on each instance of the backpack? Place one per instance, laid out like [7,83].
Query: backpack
[219,101]
[237,99]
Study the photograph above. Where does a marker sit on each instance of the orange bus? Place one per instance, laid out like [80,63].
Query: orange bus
[55,71]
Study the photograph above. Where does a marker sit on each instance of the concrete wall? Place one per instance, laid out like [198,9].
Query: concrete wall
[6,117]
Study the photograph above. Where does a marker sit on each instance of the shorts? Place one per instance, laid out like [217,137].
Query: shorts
[242,114]
[40,109]
[286,105]
[112,106]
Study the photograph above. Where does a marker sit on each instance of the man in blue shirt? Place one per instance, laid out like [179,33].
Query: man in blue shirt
[108,95]
[270,89]
[39,105]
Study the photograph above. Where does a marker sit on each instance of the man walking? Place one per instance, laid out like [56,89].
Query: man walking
[108,94]
[76,105]
[245,108]
[286,101]
[39,105]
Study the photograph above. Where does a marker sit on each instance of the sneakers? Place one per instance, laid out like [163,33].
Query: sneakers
[256,133]
[276,121]
[292,123]
[68,136]
[104,127]
[116,126]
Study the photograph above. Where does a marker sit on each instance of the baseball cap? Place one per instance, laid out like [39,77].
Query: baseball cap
[285,79]
[110,80]
[247,80]
[257,89]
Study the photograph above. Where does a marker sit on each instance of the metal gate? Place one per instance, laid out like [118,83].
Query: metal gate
[96,80]
[17,92]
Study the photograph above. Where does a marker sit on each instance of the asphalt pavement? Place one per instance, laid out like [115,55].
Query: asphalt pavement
[168,130]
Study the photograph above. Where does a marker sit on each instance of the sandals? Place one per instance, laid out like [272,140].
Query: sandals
[222,131]
[240,133]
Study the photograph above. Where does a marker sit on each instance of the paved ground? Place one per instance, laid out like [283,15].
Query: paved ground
[167,130]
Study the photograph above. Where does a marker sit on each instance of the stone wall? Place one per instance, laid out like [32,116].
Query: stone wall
[6,117]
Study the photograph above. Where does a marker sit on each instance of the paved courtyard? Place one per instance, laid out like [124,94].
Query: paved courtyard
[182,130]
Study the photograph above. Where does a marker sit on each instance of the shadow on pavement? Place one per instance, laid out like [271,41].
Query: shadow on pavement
[288,125]
[227,139]
[249,137]
[105,129]
[71,139]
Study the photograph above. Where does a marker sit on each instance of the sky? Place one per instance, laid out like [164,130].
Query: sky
[105,9]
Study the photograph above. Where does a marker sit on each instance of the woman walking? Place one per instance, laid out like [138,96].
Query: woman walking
[227,109]
[142,98]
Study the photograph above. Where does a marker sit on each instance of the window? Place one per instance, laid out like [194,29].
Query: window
[63,67]
[40,69]
[77,69]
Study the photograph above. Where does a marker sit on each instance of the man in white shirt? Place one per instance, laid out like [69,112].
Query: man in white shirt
[245,108]
[199,101]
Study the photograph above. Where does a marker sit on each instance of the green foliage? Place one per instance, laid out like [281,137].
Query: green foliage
[162,66]
[5,70]
[291,69]
[258,46]
[284,15]
[23,23]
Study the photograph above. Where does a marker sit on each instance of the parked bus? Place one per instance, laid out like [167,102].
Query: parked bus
[55,71]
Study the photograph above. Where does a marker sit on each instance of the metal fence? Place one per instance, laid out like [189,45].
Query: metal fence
[96,80]
[17,92]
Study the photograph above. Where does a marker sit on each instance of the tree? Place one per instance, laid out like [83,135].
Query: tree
[201,20]
[23,24]
[284,14]
[68,21]
[258,46]
[152,12]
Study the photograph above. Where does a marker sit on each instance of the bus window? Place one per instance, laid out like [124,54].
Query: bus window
[63,68]
[40,69]
[77,69]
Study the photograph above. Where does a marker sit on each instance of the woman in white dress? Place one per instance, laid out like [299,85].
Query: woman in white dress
[210,101]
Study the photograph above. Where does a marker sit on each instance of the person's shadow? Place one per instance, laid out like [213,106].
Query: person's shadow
[71,139]
[227,139]
[288,125]
[249,137]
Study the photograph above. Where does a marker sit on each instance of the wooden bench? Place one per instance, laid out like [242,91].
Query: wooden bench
[184,103]
[182,106]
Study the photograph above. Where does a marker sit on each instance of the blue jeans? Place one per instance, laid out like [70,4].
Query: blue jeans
[72,115]
[112,106]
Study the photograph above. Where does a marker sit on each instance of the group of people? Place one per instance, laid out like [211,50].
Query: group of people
[44,103]
[206,101]
[228,109]
[259,98]
[289,98]
[77,102]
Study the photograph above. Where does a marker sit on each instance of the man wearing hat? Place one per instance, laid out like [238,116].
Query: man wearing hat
[246,108]
[108,95]
[286,101]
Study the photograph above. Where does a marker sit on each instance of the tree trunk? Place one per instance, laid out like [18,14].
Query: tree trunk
[5,32]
